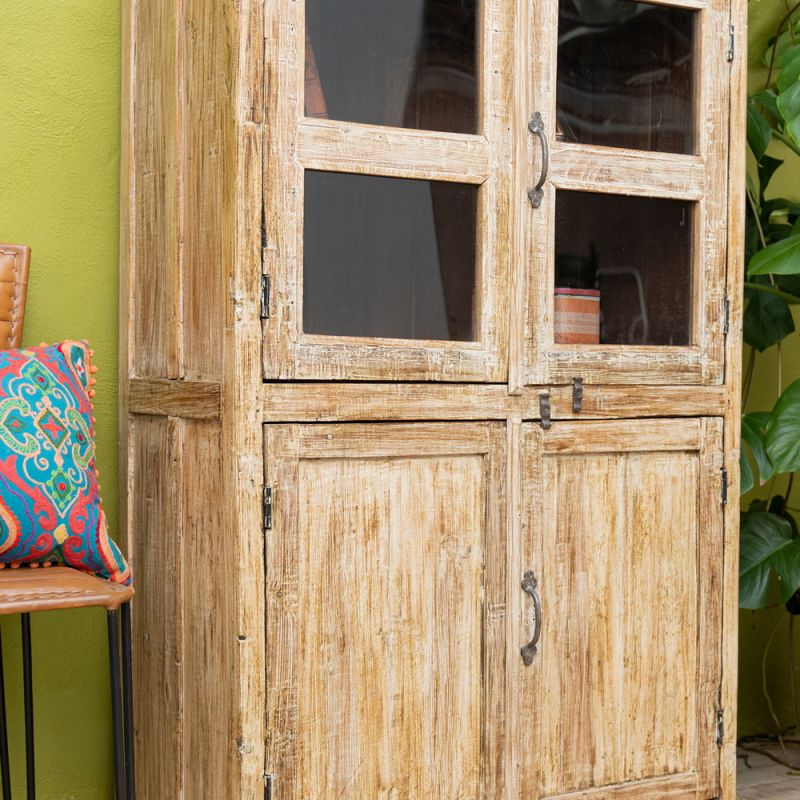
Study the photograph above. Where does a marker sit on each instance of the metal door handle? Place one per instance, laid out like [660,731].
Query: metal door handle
[536,127]
[529,584]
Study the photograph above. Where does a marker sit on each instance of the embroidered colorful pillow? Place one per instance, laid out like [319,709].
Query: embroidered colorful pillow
[49,498]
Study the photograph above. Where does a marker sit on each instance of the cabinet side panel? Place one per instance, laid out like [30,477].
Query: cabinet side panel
[210,659]
[733,368]
[156,215]
[157,536]
[210,152]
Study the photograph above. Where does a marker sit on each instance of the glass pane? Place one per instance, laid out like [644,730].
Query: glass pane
[626,75]
[408,64]
[623,269]
[388,257]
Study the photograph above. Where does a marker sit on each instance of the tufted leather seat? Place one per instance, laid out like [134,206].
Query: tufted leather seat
[15,260]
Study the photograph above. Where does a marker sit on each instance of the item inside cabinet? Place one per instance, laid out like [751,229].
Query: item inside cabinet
[637,253]
[315,105]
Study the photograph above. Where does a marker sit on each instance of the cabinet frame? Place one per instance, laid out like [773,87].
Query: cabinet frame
[296,143]
[701,178]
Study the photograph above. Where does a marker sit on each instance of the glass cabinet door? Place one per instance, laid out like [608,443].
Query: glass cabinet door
[387,190]
[626,240]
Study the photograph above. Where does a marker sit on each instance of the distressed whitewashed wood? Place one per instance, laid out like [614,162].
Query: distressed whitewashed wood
[332,402]
[735,229]
[213,133]
[702,178]
[294,144]
[386,611]
[157,523]
[633,172]
[624,531]
[168,398]
[374,150]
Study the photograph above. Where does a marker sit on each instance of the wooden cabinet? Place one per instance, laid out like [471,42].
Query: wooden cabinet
[430,387]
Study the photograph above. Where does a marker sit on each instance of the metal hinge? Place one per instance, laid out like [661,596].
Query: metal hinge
[269,782]
[724,487]
[267,508]
[731,42]
[265,290]
[726,316]
[720,727]
[545,411]
[577,395]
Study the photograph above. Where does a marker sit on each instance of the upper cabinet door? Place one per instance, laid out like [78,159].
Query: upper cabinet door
[387,189]
[626,249]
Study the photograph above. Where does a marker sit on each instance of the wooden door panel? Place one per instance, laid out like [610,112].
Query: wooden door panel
[386,597]
[625,535]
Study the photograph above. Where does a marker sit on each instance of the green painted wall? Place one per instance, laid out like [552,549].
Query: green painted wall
[756,627]
[59,186]
[59,151]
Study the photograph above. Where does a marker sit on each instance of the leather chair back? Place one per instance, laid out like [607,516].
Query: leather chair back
[15,262]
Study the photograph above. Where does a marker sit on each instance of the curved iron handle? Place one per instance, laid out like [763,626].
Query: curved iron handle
[536,127]
[529,584]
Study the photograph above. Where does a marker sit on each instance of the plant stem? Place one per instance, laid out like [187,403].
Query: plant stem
[792,671]
[754,206]
[748,380]
[789,299]
[789,486]
[764,688]
[786,19]
[787,141]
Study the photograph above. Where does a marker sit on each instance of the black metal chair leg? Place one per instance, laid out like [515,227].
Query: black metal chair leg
[27,678]
[116,706]
[127,702]
[4,765]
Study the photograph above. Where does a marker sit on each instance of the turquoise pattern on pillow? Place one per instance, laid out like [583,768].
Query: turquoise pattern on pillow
[50,508]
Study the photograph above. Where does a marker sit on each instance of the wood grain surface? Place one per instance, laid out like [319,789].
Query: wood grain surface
[368,646]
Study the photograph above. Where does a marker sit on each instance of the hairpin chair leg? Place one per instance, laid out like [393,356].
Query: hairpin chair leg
[127,702]
[116,706]
[4,766]
[27,681]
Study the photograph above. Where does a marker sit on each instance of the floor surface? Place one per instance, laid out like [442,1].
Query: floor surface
[761,778]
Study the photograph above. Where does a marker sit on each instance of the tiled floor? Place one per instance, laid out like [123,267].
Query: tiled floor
[761,778]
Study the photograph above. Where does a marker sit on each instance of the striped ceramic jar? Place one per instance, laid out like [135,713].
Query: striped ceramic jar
[577,316]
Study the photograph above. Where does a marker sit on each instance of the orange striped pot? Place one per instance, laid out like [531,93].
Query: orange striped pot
[577,316]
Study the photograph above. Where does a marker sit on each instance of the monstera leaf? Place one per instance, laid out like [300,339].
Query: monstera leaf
[767,548]
[754,435]
[781,258]
[783,431]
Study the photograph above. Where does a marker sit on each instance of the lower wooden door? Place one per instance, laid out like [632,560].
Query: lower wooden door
[622,526]
[386,612]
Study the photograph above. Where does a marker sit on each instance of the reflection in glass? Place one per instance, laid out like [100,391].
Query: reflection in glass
[408,64]
[637,251]
[626,75]
[388,257]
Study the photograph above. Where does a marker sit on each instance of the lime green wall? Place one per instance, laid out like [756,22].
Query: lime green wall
[59,164]
[756,627]
[59,121]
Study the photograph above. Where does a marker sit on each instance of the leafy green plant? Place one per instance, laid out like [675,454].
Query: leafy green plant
[770,544]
